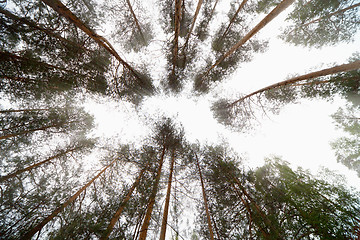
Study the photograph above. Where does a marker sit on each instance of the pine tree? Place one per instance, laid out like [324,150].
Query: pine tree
[58,181]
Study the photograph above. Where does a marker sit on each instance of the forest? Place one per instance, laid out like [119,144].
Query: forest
[61,177]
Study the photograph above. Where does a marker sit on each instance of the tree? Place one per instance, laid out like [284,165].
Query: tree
[59,181]
[326,23]
[274,201]
[226,111]
[201,79]
[346,148]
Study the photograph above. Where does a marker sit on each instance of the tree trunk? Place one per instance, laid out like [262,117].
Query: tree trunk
[39,226]
[122,205]
[233,18]
[145,225]
[337,69]
[167,200]
[37,27]
[65,12]
[192,24]
[16,58]
[274,13]
[4,178]
[136,20]
[326,16]
[29,131]
[213,9]
[205,201]
[248,209]
[176,34]
[26,110]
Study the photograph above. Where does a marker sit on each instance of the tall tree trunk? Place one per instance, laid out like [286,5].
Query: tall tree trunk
[145,225]
[248,209]
[122,205]
[192,25]
[4,56]
[337,69]
[26,110]
[326,16]
[29,131]
[33,25]
[274,13]
[136,20]
[215,226]
[176,34]
[213,9]
[167,200]
[39,226]
[257,207]
[4,178]
[65,12]
[233,18]
[205,201]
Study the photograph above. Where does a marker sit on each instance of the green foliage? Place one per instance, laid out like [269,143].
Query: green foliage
[319,23]
[347,147]
[46,153]
[275,202]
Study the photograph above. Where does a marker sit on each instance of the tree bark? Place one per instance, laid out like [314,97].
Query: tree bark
[167,200]
[29,131]
[145,225]
[192,24]
[26,110]
[326,16]
[176,34]
[213,9]
[136,20]
[65,12]
[16,58]
[122,206]
[274,13]
[337,69]
[233,18]
[4,178]
[205,201]
[40,28]
[39,226]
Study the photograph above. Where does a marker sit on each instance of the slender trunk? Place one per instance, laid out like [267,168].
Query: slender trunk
[4,178]
[18,79]
[65,12]
[205,201]
[136,20]
[167,200]
[26,110]
[215,226]
[44,30]
[15,58]
[39,226]
[122,206]
[145,225]
[337,69]
[274,13]
[138,225]
[213,9]
[29,131]
[192,24]
[248,209]
[326,16]
[233,18]
[176,36]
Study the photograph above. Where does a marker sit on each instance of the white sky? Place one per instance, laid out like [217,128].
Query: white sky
[301,133]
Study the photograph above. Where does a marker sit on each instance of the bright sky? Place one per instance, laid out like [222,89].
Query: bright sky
[301,133]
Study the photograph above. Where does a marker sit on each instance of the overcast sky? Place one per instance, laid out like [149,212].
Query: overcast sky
[300,134]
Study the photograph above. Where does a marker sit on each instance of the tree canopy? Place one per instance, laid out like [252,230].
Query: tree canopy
[61,177]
